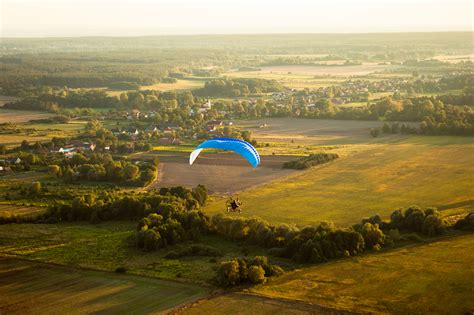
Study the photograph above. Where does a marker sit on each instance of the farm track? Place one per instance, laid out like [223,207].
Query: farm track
[281,304]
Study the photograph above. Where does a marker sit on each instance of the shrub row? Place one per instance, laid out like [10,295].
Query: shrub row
[310,160]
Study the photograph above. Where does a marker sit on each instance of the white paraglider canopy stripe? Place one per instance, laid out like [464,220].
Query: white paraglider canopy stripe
[194,156]
[236,145]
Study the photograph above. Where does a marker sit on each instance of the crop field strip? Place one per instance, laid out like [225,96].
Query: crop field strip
[42,288]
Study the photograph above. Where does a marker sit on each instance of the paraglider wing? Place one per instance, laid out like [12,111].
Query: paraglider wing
[236,145]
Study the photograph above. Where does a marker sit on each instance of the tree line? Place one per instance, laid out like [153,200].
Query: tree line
[310,160]
[102,167]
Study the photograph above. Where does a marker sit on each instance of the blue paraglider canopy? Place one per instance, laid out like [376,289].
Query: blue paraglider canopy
[236,145]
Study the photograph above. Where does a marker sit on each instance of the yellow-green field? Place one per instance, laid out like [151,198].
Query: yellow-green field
[349,70]
[291,80]
[250,304]
[378,176]
[178,86]
[453,58]
[36,288]
[434,278]
[16,116]
[7,210]
[109,245]
[40,132]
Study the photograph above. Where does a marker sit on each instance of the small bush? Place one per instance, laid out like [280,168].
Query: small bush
[256,275]
[311,160]
[240,270]
[394,235]
[121,270]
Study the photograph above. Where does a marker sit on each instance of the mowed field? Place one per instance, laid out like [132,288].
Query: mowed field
[430,278]
[37,288]
[433,278]
[35,132]
[250,304]
[179,85]
[348,70]
[372,176]
[7,210]
[221,173]
[18,116]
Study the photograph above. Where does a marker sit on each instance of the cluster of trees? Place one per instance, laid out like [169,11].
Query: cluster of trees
[414,219]
[324,242]
[466,223]
[238,87]
[50,101]
[157,231]
[171,223]
[310,160]
[242,271]
[170,203]
[102,167]
[451,121]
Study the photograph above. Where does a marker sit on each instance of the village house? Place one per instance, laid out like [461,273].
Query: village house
[13,161]
[75,146]
[132,131]
[213,125]
[202,108]
[152,129]
[169,141]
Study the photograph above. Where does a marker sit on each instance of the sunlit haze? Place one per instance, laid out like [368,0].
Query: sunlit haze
[38,18]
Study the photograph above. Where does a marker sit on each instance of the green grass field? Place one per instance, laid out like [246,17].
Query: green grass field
[291,80]
[107,246]
[372,176]
[8,210]
[36,288]
[35,132]
[180,85]
[378,179]
[433,278]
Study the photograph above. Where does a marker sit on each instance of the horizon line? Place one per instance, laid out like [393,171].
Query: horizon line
[234,34]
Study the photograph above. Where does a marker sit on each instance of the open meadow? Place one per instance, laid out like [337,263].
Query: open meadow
[38,288]
[8,211]
[434,278]
[35,132]
[179,85]
[332,70]
[110,245]
[101,212]
[378,176]
[18,116]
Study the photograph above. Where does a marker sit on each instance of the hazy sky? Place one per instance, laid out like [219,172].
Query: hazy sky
[34,18]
